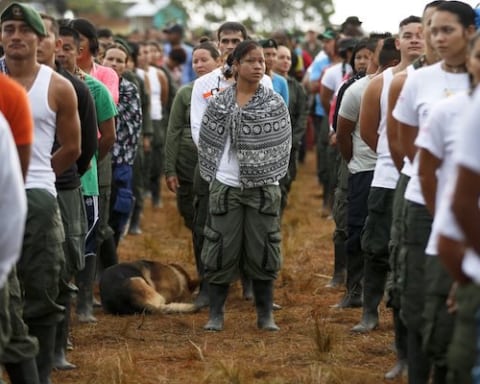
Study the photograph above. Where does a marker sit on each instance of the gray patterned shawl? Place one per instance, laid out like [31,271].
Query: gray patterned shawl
[259,133]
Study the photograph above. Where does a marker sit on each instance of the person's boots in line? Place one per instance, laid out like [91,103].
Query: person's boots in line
[46,341]
[263,292]
[23,372]
[373,291]
[217,294]
[201,301]
[355,272]
[84,281]
[401,366]
[338,278]
[134,227]
[60,358]
[247,291]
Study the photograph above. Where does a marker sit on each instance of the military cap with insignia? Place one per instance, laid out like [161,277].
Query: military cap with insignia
[24,12]
[268,43]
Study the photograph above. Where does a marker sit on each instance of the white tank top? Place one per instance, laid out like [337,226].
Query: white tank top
[155,94]
[40,172]
[407,164]
[385,175]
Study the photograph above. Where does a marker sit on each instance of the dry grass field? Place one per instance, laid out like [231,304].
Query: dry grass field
[314,344]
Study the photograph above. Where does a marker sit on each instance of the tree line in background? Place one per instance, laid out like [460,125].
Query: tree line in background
[260,15]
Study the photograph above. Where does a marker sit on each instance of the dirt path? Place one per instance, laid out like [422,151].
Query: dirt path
[314,344]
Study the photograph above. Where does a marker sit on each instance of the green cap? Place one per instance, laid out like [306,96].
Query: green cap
[328,34]
[24,12]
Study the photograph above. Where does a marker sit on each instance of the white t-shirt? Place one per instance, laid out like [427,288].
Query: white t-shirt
[13,202]
[438,136]
[466,153]
[204,88]
[333,76]
[386,174]
[422,89]
[363,158]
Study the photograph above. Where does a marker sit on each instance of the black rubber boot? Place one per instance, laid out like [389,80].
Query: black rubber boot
[217,295]
[84,281]
[46,341]
[351,299]
[339,272]
[263,292]
[354,281]
[246,287]
[108,253]
[399,369]
[373,291]
[24,372]
[60,361]
[134,227]
[201,301]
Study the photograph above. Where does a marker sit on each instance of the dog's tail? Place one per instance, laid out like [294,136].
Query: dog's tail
[177,308]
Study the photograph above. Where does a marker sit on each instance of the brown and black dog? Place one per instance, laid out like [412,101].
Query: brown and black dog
[146,286]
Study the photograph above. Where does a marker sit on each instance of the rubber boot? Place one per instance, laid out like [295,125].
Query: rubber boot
[399,369]
[24,372]
[46,341]
[263,292]
[84,281]
[246,287]
[60,361]
[202,301]
[373,291]
[401,366]
[338,278]
[134,227]
[351,299]
[108,253]
[217,295]
[355,272]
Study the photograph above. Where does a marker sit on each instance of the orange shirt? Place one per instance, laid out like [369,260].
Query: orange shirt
[15,106]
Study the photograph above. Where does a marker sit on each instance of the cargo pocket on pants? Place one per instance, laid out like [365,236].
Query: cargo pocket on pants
[212,250]
[272,256]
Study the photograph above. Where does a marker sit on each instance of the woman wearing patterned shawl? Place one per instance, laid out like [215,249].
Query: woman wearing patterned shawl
[128,128]
[243,149]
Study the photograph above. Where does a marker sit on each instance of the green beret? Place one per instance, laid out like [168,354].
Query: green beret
[24,12]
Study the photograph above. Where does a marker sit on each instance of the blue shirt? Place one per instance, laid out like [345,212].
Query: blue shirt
[317,69]
[188,75]
[280,86]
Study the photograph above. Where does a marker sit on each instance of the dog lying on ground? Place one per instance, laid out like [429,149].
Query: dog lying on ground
[150,286]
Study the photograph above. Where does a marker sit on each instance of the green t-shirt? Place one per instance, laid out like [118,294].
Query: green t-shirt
[106,109]
[89,179]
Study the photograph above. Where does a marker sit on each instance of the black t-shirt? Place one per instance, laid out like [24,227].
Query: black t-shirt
[70,179]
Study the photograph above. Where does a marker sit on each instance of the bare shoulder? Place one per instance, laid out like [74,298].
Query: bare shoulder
[62,86]
[376,83]
[399,79]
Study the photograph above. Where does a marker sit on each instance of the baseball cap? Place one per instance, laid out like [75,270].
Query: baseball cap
[328,34]
[354,20]
[24,12]
[175,28]
[268,43]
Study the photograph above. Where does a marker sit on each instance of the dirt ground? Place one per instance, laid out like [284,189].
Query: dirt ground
[314,344]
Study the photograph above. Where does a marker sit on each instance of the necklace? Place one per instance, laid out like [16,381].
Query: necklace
[451,82]
[454,68]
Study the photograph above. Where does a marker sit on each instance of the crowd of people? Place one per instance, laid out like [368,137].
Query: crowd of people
[99,121]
